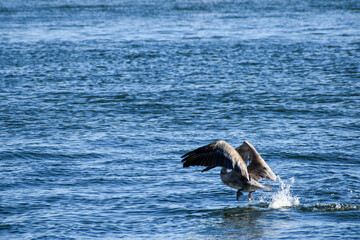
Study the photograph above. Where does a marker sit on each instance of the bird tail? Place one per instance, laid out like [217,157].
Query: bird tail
[267,187]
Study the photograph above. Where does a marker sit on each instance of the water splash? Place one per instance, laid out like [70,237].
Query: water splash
[282,198]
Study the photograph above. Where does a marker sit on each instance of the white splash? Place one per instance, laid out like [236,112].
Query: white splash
[282,198]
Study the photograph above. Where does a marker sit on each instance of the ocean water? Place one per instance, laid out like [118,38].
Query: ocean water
[100,99]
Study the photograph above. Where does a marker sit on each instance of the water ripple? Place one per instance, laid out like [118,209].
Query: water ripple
[99,101]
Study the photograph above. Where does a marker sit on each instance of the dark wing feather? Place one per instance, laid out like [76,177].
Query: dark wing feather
[216,154]
[258,169]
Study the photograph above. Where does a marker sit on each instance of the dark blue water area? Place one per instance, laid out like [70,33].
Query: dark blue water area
[99,101]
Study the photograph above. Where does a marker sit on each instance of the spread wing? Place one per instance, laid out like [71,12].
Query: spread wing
[258,169]
[216,154]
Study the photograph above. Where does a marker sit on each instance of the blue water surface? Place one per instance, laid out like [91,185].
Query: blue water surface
[100,99]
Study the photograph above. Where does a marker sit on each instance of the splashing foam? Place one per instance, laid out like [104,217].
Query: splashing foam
[282,198]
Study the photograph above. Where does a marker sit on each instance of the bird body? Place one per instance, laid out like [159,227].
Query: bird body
[242,177]
[234,180]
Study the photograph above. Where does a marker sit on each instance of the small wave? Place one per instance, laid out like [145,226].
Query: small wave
[283,198]
[332,207]
[8,155]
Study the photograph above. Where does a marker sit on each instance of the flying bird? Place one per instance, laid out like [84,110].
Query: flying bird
[242,177]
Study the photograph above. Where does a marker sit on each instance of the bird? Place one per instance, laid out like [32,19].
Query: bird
[243,177]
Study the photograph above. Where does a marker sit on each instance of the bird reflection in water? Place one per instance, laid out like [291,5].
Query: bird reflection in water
[237,223]
[246,222]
